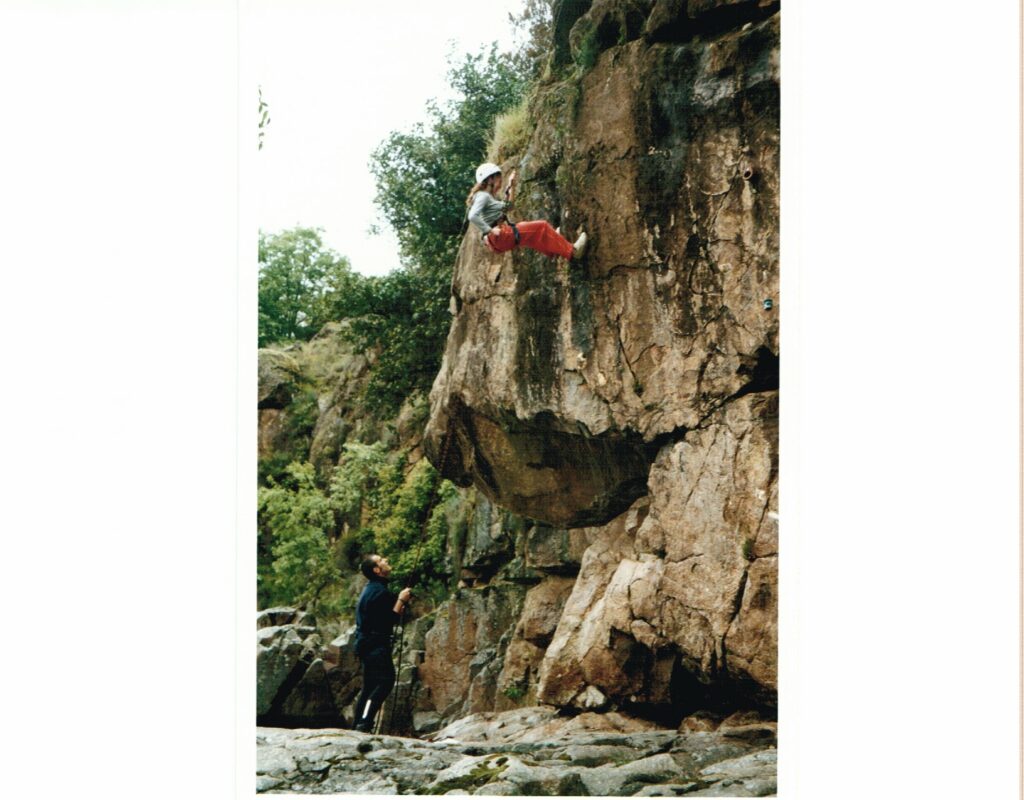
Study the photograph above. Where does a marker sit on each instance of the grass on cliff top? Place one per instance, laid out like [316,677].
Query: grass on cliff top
[511,133]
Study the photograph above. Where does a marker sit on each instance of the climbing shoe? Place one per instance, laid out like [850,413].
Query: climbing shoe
[579,246]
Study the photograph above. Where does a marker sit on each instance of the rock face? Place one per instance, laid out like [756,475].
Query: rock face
[309,400]
[465,649]
[299,681]
[560,386]
[685,581]
[524,752]
[615,424]
[633,396]
[482,650]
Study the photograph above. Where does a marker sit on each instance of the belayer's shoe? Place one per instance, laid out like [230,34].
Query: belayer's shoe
[363,727]
[579,247]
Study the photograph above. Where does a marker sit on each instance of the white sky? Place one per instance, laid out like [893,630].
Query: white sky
[338,78]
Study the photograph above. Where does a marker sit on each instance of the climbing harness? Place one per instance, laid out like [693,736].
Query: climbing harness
[512,225]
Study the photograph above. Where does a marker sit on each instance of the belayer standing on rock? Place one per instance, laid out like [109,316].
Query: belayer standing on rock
[377,612]
[499,233]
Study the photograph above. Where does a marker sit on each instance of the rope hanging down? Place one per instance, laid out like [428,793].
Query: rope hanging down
[434,497]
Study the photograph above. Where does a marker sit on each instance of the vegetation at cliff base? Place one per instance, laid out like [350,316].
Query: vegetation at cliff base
[311,534]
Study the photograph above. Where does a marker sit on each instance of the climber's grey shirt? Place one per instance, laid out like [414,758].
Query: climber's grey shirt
[485,211]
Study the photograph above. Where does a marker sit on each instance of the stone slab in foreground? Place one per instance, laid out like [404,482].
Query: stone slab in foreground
[505,754]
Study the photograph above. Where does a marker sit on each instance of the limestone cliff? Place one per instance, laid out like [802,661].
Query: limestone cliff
[635,394]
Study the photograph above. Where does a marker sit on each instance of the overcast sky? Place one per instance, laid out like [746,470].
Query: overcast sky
[339,77]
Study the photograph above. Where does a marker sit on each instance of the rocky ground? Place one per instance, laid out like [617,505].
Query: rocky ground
[530,751]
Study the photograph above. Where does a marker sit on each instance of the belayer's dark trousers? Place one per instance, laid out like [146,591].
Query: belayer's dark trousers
[378,679]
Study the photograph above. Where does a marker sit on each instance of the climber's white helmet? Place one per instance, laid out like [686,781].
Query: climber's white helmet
[484,171]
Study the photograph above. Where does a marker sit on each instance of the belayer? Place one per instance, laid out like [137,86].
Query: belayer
[501,235]
[377,612]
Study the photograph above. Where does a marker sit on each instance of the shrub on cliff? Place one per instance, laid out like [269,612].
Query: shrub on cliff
[403,316]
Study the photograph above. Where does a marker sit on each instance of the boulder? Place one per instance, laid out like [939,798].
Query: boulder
[278,652]
[298,680]
[490,538]
[556,550]
[542,609]
[277,371]
[311,701]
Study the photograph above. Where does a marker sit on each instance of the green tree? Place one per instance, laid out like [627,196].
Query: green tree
[298,520]
[534,26]
[423,175]
[299,276]
[403,317]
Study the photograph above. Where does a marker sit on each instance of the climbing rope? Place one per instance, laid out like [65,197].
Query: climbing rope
[435,496]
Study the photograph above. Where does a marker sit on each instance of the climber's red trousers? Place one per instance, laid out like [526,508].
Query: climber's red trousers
[537,235]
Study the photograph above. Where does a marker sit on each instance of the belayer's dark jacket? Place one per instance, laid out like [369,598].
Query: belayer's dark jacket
[375,615]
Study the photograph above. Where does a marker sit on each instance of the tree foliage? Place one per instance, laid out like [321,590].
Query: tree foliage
[423,175]
[370,504]
[534,27]
[403,317]
[299,277]
[298,518]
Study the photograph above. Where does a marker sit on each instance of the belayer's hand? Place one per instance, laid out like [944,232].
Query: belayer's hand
[405,594]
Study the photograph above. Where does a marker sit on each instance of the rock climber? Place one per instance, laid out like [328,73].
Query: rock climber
[377,612]
[487,213]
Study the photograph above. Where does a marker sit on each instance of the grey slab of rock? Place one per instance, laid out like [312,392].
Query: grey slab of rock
[265,783]
[667,790]
[330,760]
[753,787]
[661,768]
[760,763]
[464,768]
[752,775]
[277,653]
[709,748]
[275,763]
[498,788]
[594,755]
[425,721]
